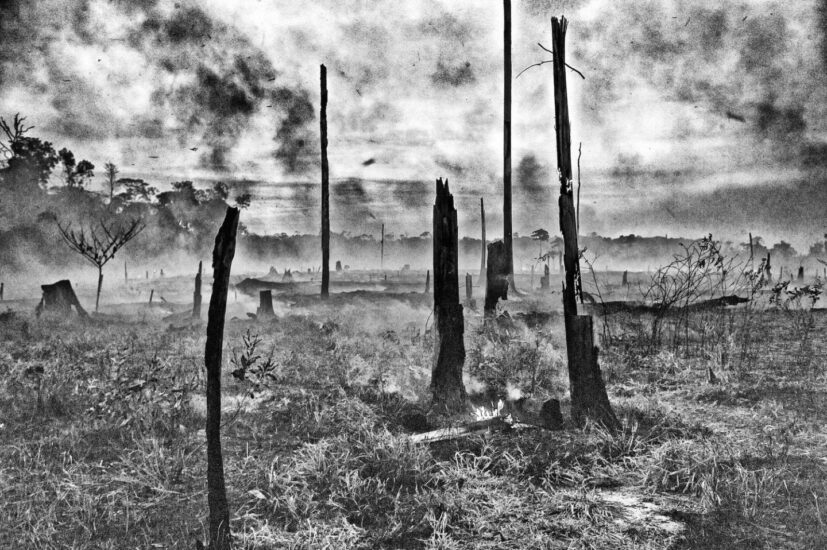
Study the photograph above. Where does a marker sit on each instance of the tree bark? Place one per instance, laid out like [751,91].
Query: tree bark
[325,188]
[219,518]
[588,393]
[196,295]
[449,349]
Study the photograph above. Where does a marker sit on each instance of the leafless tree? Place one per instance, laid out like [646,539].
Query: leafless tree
[100,246]
[12,133]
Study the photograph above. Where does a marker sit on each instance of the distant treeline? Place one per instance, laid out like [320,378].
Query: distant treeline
[42,188]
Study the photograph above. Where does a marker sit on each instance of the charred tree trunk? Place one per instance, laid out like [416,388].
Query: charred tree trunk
[768,268]
[588,393]
[382,250]
[325,189]
[427,281]
[469,290]
[125,274]
[496,277]
[100,284]
[507,240]
[59,298]
[625,280]
[545,279]
[151,294]
[2,288]
[196,295]
[483,247]
[449,349]
[265,305]
[219,524]
[800,273]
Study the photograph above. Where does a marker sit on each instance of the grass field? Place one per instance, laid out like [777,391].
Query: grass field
[102,432]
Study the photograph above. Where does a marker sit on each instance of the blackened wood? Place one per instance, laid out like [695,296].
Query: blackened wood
[325,188]
[382,249]
[196,295]
[427,281]
[100,285]
[2,288]
[588,392]
[625,280]
[496,277]
[219,516]
[449,349]
[469,292]
[768,268]
[125,274]
[801,273]
[151,294]
[507,237]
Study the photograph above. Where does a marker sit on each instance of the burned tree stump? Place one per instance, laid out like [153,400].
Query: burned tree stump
[58,299]
[196,295]
[449,349]
[496,277]
[800,273]
[219,516]
[588,392]
[265,305]
[338,265]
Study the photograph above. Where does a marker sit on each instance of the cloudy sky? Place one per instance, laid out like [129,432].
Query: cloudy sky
[693,117]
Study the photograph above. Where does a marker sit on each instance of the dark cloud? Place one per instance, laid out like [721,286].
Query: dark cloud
[296,147]
[453,76]
[532,176]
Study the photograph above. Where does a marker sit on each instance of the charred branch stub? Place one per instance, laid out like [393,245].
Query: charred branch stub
[588,392]
[496,278]
[449,349]
[58,299]
[219,513]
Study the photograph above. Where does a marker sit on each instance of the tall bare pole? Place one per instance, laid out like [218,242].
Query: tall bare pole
[482,258]
[509,246]
[325,187]
[382,249]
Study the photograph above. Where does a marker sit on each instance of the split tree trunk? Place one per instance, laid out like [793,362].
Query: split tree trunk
[219,524]
[196,295]
[496,277]
[588,393]
[449,349]
[325,189]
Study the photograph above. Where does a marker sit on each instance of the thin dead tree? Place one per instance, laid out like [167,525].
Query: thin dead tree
[325,187]
[100,246]
[222,261]
[507,235]
[482,259]
[588,392]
